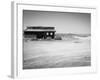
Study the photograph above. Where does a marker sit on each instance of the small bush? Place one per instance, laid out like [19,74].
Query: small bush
[48,38]
[58,38]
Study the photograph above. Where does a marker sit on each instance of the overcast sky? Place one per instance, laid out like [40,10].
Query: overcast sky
[64,22]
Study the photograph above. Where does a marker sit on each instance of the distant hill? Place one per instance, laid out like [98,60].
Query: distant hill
[71,36]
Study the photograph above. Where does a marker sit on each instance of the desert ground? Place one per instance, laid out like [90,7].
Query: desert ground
[56,53]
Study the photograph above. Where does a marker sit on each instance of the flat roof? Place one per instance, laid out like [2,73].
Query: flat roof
[40,27]
[40,30]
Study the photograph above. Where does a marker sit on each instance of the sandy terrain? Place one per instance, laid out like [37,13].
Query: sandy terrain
[57,53]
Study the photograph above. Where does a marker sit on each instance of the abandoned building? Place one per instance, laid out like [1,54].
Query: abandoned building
[39,32]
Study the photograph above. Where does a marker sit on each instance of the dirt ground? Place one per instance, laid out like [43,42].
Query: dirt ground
[56,54]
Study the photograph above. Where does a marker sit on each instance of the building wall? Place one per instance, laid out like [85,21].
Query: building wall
[37,35]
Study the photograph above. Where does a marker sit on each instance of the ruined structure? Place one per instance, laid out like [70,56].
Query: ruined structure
[39,32]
